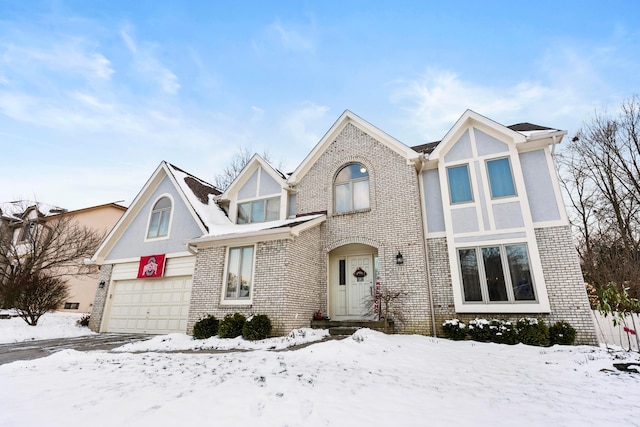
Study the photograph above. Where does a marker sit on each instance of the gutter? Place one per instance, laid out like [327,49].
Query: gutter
[423,160]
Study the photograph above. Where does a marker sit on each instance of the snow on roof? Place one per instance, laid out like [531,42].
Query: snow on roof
[200,195]
[16,209]
[232,229]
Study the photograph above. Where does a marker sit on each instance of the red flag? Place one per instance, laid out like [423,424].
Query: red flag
[151,266]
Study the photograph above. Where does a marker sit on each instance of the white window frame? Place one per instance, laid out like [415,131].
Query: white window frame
[150,218]
[351,183]
[250,204]
[237,300]
[505,271]
[468,167]
[513,182]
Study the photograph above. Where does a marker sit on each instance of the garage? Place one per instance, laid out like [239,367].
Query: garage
[153,306]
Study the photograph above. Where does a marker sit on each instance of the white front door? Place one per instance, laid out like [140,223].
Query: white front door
[359,284]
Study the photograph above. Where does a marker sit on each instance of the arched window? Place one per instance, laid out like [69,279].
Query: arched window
[159,223]
[351,188]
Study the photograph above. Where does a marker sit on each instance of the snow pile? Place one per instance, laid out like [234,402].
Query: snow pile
[50,325]
[182,342]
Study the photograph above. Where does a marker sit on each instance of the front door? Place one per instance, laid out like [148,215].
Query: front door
[359,284]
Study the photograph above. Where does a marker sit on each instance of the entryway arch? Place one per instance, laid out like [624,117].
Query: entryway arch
[353,273]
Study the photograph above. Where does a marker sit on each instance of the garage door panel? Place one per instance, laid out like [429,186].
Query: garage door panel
[150,306]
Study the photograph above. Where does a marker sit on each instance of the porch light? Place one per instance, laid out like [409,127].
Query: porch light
[399,259]
[101,284]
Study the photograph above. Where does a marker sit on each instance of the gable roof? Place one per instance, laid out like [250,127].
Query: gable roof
[471,118]
[196,194]
[247,171]
[350,118]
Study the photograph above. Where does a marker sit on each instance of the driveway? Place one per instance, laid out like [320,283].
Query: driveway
[29,350]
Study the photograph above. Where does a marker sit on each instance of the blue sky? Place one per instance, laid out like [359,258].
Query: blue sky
[94,94]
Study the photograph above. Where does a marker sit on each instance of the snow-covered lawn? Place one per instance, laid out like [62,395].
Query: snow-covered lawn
[51,325]
[370,379]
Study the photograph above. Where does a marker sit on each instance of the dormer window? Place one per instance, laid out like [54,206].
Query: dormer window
[160,217]
[259,210]
[351,188]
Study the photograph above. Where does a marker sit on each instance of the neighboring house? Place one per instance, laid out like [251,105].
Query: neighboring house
[471,226]
[24,216]
[82,289]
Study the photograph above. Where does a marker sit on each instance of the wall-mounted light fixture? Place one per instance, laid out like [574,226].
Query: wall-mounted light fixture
[101,284]
[399,259]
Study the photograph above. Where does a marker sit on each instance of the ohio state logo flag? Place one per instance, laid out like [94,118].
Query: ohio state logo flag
[151,266]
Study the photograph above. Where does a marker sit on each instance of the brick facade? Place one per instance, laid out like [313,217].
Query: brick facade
[99,303]
[562,275]
[393,223]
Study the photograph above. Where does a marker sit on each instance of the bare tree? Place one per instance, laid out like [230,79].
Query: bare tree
[35,260]
[601,173]
[235,166]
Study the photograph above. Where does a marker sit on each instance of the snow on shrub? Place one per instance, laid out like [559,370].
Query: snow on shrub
[454,329]
[528,331]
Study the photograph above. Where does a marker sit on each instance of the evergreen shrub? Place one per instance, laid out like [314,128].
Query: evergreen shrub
[231,326]
[257,327]
[532,332]
[206,327]
[562,333]
[454,329]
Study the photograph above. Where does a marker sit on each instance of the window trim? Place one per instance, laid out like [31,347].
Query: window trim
[238,301]
[350,182]
[468,168]
[484,289]
[513,182]
[278,202]
[150,217]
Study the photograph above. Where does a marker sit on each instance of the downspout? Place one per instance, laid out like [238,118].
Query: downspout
[423,213]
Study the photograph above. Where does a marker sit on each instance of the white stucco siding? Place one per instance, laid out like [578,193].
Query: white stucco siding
[183,226]
[539,184]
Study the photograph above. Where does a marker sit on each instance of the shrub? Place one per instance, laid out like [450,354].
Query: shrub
[231,326]
[206,327]
[504,332]
[562,333]
[532,332]
[84,320]
[257,328]
[479,330]
[454,329]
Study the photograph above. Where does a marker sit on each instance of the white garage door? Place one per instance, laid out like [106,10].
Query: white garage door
[150,306]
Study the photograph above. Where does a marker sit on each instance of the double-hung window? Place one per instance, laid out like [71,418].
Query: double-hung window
[496,274]
[239,274]
[159,221]
[500,178]
[351,188]
[459,184]
[259,211]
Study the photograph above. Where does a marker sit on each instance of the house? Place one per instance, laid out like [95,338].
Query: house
[23,216]
[471,226]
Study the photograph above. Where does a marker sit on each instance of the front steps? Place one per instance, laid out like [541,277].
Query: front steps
[348,327]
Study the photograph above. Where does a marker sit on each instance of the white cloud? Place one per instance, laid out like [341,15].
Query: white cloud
[70,57]
[303,124]
[148,66]
[291,39]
